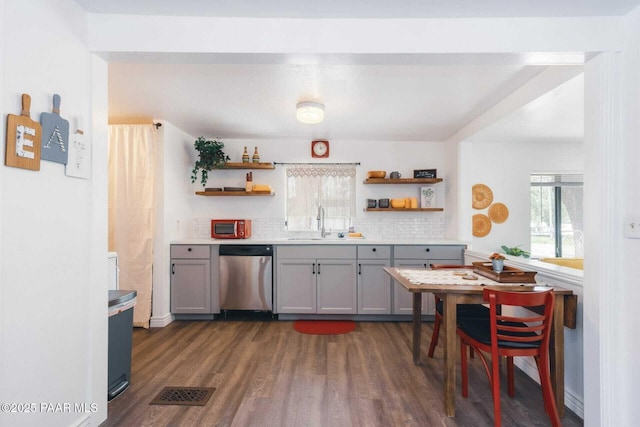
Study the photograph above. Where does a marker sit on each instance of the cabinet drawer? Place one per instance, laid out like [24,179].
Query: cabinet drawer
[429,251]
[374,252]
[316,251]
[190,251]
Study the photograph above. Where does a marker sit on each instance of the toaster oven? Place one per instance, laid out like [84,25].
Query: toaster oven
[230,228]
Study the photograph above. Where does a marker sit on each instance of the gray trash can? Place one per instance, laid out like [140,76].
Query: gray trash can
[121,305]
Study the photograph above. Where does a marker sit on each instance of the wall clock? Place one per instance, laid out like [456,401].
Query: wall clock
[320,149]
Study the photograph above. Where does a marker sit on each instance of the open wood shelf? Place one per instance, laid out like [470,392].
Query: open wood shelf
[235,193]
[405,209]
[402,181]
[242,165]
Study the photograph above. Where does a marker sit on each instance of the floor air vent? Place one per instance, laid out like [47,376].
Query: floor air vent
[189,396]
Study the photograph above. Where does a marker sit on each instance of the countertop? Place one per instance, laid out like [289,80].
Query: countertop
[317,241]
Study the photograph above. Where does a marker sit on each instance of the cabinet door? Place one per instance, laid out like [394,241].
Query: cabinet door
[336,286]
[191,286]
[402,299]
[296,286]
[374,287]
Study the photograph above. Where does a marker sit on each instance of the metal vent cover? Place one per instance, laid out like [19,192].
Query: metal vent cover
[188,396]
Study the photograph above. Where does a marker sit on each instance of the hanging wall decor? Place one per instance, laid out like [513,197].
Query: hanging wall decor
[79,157]
[498,213]
[482,196]
[55,134]
[481,225]
[23,139]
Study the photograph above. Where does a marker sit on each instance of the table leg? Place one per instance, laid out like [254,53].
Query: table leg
[417,324]
[449,323]
[556,353]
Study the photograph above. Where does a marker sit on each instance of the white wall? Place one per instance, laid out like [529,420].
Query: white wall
[626,396]
[506,168]
[178,206]
[53,305]
[372,155]
[136,33]
[174,211]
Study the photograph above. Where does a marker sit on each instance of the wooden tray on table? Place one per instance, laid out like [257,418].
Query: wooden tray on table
[508,275]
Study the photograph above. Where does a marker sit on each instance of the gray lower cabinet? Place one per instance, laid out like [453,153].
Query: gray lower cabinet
[420,256]
[191,279]
[374,285]
[295,285]
[316,279]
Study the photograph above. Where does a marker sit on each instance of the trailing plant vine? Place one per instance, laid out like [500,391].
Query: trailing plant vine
[210,156]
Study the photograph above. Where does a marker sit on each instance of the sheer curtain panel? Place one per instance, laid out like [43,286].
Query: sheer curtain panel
[331,186]
[131,210]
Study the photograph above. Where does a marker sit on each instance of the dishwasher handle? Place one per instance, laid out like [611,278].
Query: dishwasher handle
[245,250]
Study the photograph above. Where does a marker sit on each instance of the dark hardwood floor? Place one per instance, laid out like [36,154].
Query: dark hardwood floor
[267,374]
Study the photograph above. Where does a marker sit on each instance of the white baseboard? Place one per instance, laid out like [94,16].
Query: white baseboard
[571,400]
[161,322]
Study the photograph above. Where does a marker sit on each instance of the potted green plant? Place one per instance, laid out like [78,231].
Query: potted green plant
[515,251]
[210,156]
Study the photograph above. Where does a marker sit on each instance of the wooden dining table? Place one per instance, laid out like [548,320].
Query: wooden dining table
[454,290]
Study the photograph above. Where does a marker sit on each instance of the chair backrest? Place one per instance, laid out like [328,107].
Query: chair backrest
[524,329]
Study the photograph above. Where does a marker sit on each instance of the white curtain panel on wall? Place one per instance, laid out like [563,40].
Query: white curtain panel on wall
[331,186]
[131,210]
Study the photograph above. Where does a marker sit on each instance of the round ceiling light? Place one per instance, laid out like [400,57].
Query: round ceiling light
[310,112]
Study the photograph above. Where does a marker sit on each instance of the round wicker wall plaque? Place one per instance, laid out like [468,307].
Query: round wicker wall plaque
[481,225]
[498,213]
[482,196]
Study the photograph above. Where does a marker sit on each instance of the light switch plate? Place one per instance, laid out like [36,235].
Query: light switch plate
[632,226]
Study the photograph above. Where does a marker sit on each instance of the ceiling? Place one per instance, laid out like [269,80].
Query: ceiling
[373,101]
[371,97]
[362,8]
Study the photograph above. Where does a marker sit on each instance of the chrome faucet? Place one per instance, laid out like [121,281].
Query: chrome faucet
[320,218]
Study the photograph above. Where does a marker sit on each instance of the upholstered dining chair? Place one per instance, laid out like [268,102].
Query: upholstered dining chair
[511,335]
[474,311]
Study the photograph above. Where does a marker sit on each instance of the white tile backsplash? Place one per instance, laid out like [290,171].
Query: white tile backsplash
[374,228]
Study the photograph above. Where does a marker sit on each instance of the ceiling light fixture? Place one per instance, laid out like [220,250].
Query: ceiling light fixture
[309,112]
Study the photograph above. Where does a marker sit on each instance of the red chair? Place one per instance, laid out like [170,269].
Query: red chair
[510,336]
[474,311]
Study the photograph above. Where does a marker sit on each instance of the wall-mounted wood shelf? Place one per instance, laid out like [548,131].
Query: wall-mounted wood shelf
[402,181]
[235,193]
[404,210]
[241,165]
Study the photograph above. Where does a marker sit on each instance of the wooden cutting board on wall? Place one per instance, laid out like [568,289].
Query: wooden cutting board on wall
[55,134]
[23,139]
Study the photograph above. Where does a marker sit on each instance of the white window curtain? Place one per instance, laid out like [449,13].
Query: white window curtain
[331,186]
[131,210]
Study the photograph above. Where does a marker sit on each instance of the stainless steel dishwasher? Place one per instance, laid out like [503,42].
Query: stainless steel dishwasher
[246,277]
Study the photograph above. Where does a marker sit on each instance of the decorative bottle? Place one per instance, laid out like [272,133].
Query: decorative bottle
[249,182]
[256,156]
[245,156]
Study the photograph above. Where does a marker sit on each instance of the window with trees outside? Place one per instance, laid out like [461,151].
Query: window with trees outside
[309,187]
[556,215]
